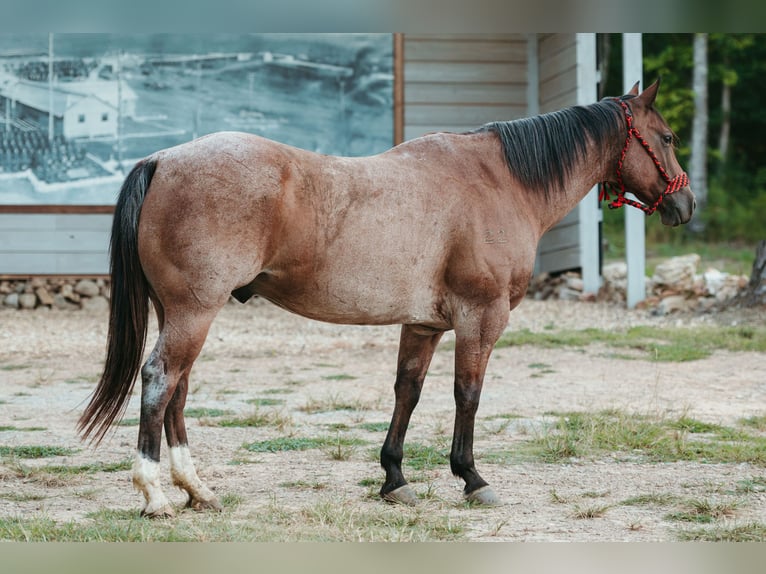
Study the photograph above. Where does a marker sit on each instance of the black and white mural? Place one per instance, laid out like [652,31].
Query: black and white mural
[77,110]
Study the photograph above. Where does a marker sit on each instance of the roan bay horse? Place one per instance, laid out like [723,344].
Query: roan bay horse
[435,234]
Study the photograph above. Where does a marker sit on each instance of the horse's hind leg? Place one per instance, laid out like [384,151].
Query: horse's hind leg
[415,353]
[164,384]
[181,466]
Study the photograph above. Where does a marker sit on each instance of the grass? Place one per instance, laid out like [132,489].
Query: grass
[202,412]
[374,427]
[14,367]
[265,402]
[702,511]
[257,419]
[339,377]
[36,451]
[22,429]
[669,344]
[626,436]
[334,402]
[751,532]
[283,444]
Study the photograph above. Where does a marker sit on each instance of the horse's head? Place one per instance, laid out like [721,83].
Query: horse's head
[648,166]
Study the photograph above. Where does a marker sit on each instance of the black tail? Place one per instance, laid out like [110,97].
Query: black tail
[129,309]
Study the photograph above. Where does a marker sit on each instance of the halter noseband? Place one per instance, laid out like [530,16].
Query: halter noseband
[673,184]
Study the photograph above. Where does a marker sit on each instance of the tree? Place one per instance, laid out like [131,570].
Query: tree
[699,152]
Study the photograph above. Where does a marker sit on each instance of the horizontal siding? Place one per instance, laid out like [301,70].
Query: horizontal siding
[46,243]
[459,82]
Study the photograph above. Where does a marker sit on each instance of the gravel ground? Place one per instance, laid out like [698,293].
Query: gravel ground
[50,360]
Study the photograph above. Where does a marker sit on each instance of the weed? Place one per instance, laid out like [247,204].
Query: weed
[341,449]
[702,511]
[752,532]
[658,499]
[374,427]
[334,403]
[200,412]
[589,512]
[36,451]
[339,377]
[282,444]
[258,419]
[130,422]
[268,402]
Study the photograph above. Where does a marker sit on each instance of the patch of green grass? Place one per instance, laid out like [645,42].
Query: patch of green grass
[369,482]
[21,497]
[279,391]
[282,444]
[334,402]
[423,457]
[267,402]
[667,344]
[374,427]
[656,499]
[756,422]
[200,412]
[751,485]
[91,468]
[14,367]
[702,511]
[257,419]
[589,512]
[339,377]
[577,435]
[36,451]
[752,532]
[22,429]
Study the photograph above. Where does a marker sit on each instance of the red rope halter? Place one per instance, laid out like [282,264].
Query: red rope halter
[673,184]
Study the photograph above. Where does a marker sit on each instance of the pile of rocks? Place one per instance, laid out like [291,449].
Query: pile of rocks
[56,293]
[675,286]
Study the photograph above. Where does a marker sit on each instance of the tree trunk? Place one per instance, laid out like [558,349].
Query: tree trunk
[698,161]
[723,138]
[756,288]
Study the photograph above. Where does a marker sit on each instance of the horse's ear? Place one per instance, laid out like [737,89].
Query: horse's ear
[634,90]
[650,93]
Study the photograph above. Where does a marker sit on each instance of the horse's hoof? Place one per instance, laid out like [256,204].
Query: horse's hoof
[484,496]
[402,495]
[201,505]
[163,512]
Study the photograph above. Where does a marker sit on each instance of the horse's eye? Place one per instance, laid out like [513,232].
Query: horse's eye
[667,139]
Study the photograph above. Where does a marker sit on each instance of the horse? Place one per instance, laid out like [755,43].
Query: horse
[438,233]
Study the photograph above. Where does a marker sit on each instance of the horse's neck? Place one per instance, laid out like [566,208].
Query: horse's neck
[596,166]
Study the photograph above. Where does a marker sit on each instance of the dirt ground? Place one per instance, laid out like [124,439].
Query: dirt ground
[50,360]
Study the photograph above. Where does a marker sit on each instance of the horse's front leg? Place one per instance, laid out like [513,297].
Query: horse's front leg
[415,353]
[474,341]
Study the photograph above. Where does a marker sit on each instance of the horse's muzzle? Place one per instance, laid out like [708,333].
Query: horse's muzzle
[678,207]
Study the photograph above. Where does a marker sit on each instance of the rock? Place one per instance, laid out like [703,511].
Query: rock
[96,304]
[61,302]
[67,291]
[672,304]
[27,300]
[11,300]
[86,288]
[44,297]
[677,272]
[5,287]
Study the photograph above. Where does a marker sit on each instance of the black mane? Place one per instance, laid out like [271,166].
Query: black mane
[542,151]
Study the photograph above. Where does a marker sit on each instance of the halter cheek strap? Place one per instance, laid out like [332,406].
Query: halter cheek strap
[673,184]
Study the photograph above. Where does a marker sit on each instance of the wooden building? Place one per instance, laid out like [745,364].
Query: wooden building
[442,82]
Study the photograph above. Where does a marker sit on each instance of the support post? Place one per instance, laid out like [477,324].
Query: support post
[635,220]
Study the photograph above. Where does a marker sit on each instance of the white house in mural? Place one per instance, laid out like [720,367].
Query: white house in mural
[87,109]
